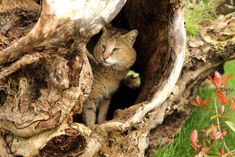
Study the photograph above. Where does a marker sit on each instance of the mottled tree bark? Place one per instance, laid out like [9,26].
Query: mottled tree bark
[45,74]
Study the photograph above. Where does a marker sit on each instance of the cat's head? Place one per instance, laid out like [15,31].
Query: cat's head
[115,49]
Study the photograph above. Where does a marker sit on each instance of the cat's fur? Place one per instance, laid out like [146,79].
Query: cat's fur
[115,54]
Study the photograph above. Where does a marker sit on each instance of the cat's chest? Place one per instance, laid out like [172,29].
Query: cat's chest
[107,80]
[108,73]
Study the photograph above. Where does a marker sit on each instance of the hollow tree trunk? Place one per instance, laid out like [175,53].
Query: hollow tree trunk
[45,74]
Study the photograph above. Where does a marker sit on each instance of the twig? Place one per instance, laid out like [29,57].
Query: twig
[219,128]
[229,153]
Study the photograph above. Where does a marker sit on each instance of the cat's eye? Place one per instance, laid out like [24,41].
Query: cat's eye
[103,46]
[116,49]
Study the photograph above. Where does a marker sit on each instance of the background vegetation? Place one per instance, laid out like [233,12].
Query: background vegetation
[181,146]
[197,11]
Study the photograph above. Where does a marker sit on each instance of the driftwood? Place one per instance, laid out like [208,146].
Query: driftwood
[45,74]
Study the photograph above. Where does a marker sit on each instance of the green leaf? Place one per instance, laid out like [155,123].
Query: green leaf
[133,73]
[231,125]
[215,116]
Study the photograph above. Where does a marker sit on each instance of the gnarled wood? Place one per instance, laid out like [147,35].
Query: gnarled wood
[39,100]
[45,74]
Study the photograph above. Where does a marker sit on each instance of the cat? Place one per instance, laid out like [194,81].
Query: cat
[114,54]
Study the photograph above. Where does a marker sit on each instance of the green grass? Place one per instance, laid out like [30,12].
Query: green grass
[197,11]
[181,146]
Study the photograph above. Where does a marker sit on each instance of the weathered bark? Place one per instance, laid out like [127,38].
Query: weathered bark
[45,74]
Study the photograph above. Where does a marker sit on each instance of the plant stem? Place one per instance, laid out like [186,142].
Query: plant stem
[219,128]
[229,153]
[217,119]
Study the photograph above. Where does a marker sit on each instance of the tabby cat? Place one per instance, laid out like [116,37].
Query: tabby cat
[115,55]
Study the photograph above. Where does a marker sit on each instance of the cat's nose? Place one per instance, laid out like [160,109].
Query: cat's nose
[105,56]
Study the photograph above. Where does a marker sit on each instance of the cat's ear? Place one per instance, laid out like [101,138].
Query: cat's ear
[131,36]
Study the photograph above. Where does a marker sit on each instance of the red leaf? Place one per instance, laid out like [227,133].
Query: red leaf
[224,133]
[221,97]
[217,79]
[232,105]
[222,108]
[217,135]
[226,78]
[199,103]
[211,79]
[205,149]
[194,140]
[206,101]
[198,99]
[211,129]
[194,102]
